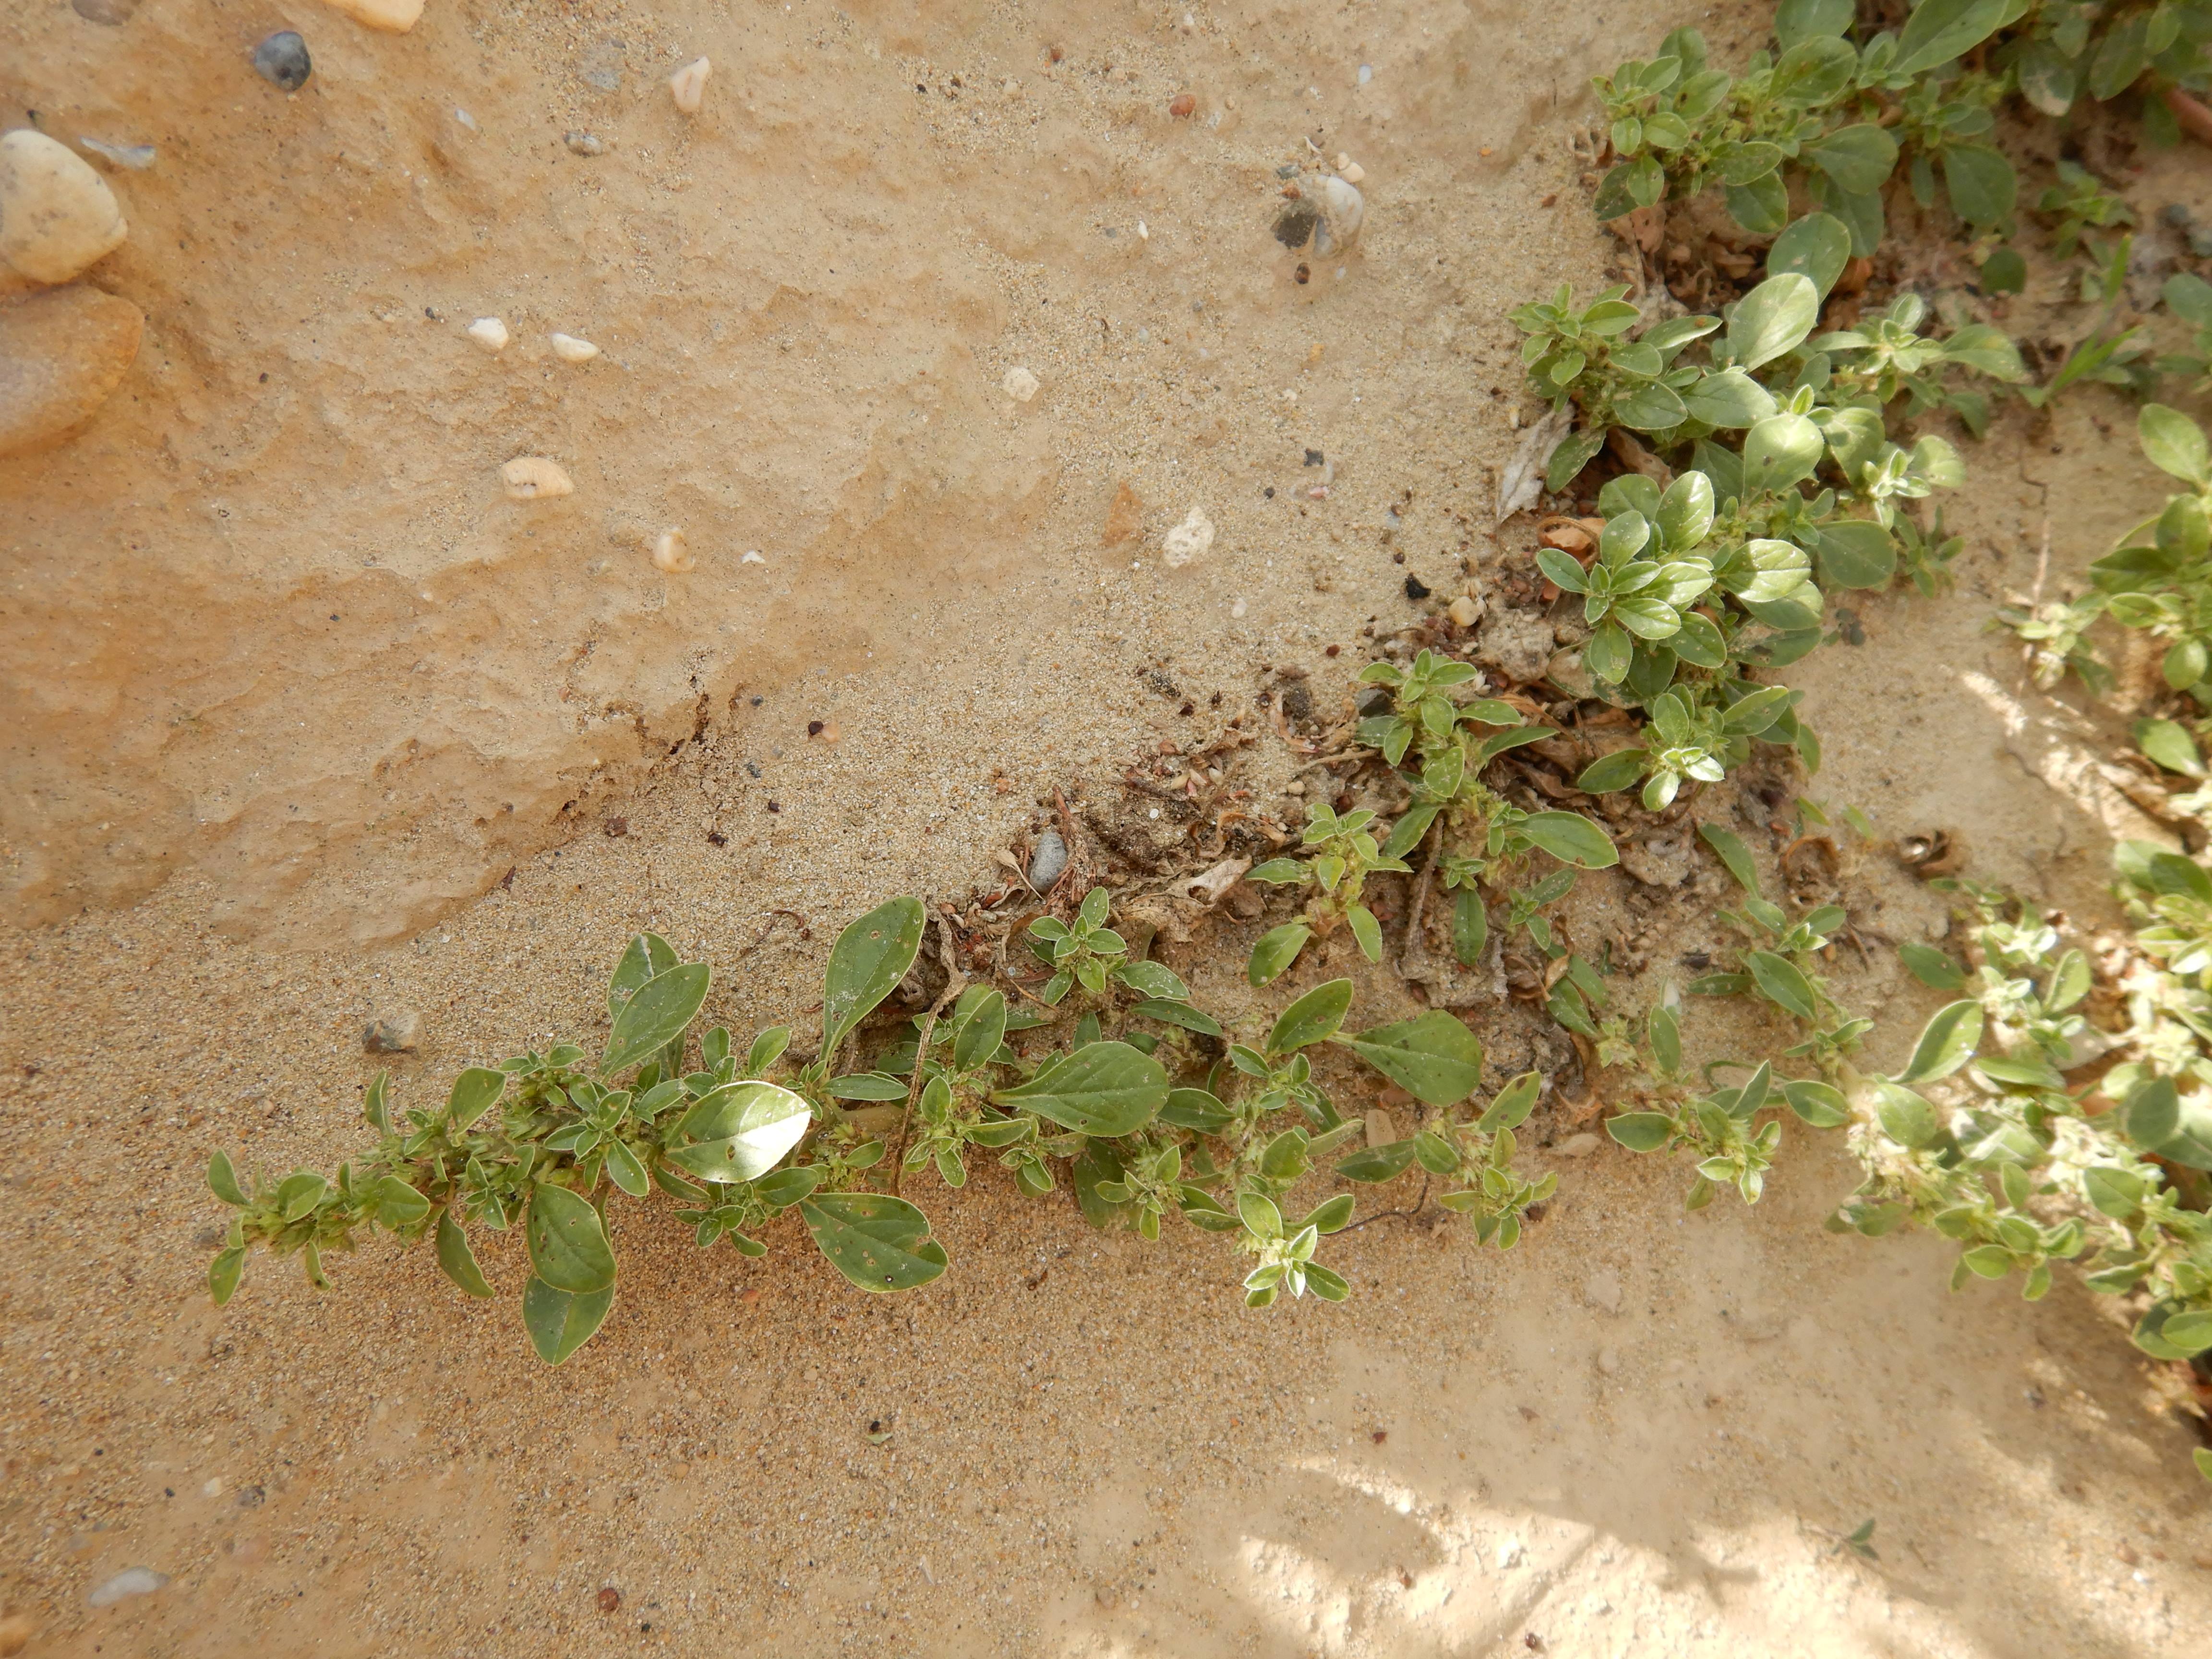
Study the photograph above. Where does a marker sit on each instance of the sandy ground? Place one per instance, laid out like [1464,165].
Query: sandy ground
[1642,1433]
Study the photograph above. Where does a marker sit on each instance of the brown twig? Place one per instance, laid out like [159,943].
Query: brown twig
[955,981]
[2192,117]
[1386,1215]
[804,926]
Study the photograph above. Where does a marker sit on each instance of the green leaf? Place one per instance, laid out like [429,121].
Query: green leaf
[1312,1017]
[1983,186]
[2161,1120]
[457,1260]
[1331,1215]
[1906,1117]
[1820,1104]
[223,1273]
[1780,450]
[1178,1014]
[2174,444]
[1470,927]
[1772,319]
[560,1321]
[1817,247]
[2203,1460]
[880,1242]
[1196,1108]
[475,1092]
[1733,853]
[2115,1193]
[1609,773]
[1105,1090]
[1367,931]
[2003,272]
[1779,980]
[299,1193]
[1570,838]
[645,956]
[741,1132]
[1572,456]
[1511,1109]
[1433,1058]
[397,1204]
[1641,1132]
[1856,553]
[1259,1214]
[1858,158]
[657,1013]
[1376,1164]
[568,1243]
[1796,21]
[625,1170]
[1276,950]
[984,1028]
[2191,1333]
[1940,30]
[1947,1042]
[1930,966]
[2168,743]
[870,959]
[1729,399]
[1434,1153]
[868,1086]
[223,1182]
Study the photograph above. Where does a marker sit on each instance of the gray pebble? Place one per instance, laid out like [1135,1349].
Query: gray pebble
[1047,860]
[397,1034]
[131,1581]
[584,144]
[113,13]
[282,61]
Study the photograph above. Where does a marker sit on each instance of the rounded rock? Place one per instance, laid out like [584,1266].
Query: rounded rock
[282,61]
[572,348]
[114,14]
[1020,385]
[62,352]
[1047,860]
[533,477]
[671,553]
[57,215]
[1188,540]
[393,16]
[688,86]
[489,333]
[1343,210]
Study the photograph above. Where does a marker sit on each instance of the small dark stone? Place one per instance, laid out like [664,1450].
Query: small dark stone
[774,807]
[1297,703]
[1269,492]
[1416,588]
[282,61]
[113,13]
[610,1599]
[1315,458]
[1302,276]
[395,1034]
[716,838]
[1294,225]
[1374,700]
[814,728]
[616,826]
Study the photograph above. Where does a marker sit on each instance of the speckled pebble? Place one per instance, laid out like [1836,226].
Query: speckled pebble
[282,60]
[57,215]
[1047,860]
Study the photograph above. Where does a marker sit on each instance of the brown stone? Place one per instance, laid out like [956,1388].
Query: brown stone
[1125,519]
[62,352]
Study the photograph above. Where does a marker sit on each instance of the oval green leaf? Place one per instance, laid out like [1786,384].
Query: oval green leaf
[870,959]
[457,1260]
[560,1321]
[1104,1090]
[880,1242]
[656,1014]
[569,1245]
[742,1131]
[1313,1017]
[1434,1058]
[1947,1042]
[1275,950]
[475,1092]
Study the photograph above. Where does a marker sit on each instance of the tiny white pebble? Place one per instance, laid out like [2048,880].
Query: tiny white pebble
[1366,73]
[488,332]
[1020,385]
[1188,540]
[689,84]
[1144,231]
[1343,161]
[1351,172]
[671,553]
[753,556]
[465,119]
[1014,89]
[533,477]
[1237,609]
[571,350]
[213,1488]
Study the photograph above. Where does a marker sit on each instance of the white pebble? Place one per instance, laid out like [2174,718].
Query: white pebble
[689,84]
[1237,609]
[1510,1553]
[136,157]
[1014,89]
[1608,1361]
[465,119]
[489,333]
[1366,73]
[1343,210]
[131,1581]
[1351,172]
[671,553]
[393,16]
[753,556]
[57,215]
[1188,540]
[1144,231]
[571,350]
[533,477]
[1020,385]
